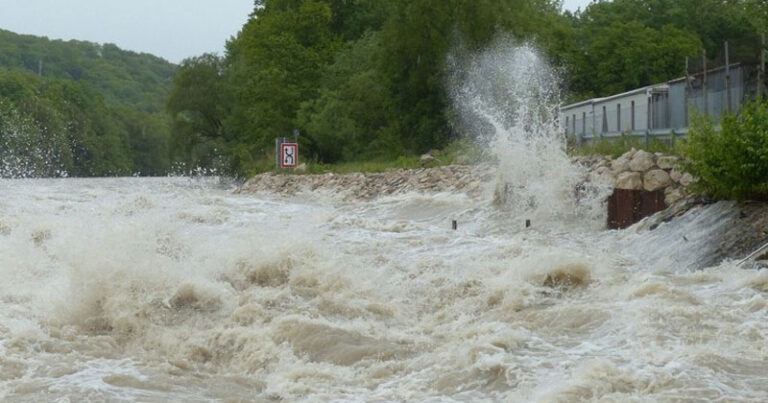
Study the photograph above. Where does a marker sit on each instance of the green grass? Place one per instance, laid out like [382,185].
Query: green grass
[617,146]
[472,154]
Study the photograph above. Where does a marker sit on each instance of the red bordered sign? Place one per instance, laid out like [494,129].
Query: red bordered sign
[289,155]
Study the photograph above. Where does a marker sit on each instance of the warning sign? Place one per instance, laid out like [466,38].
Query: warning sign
[289,155]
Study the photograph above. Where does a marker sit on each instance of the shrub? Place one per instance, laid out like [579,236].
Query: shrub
[732,162]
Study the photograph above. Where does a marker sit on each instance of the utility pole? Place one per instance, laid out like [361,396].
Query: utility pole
[727,77]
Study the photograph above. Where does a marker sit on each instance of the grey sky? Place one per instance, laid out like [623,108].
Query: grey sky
[571,4]
[172,29]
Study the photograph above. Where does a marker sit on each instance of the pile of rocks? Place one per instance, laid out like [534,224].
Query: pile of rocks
[641,170]
[469,179]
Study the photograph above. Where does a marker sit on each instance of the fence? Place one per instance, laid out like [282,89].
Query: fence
[662,110]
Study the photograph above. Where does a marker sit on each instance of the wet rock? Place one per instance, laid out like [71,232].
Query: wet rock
[656,179]
[642,161]
[673,194]
[630,181]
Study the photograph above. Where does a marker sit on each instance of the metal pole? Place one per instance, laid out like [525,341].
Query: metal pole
[704,83]
[761,76]
[727,76]
[687,87]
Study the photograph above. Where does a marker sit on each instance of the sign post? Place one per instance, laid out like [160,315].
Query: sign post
[289,155]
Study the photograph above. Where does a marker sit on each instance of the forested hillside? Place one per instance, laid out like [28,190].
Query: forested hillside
[79,108]
[366,79]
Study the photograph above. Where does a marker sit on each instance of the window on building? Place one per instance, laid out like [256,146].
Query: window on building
[632,114]
[618,118]
[584,123]
[567,124]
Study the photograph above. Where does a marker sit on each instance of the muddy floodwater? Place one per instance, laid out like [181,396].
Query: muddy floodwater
[180,290]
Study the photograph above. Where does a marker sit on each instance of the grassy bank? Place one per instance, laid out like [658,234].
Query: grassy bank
[617,146]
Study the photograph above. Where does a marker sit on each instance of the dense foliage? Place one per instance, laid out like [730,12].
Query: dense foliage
[79,108]
[362,80]
[731,163]
[365,79]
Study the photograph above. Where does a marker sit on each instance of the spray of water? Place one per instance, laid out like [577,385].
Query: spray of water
[507,97]
[26,150]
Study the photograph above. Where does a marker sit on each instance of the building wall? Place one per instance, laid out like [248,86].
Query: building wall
[660,107]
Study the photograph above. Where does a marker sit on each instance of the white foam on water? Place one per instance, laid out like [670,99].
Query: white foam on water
[166,289]
[174,289]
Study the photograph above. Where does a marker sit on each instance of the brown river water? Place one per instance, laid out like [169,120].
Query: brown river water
[178,289]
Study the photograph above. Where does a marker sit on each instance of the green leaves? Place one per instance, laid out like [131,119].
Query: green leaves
[732,163]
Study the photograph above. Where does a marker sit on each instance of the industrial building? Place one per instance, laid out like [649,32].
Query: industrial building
[661,110]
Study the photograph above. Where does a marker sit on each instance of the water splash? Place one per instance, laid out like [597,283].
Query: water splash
[26,150]
[507,97]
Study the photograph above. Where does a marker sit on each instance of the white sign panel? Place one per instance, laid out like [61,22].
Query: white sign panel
[289,155]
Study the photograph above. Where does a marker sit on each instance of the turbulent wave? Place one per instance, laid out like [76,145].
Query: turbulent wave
[174,289]
[507,97]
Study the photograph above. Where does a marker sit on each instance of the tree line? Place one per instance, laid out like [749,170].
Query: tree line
[366,79]
[81,109]
[361,79]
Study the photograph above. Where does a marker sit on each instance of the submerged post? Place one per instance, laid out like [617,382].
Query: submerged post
[527,223]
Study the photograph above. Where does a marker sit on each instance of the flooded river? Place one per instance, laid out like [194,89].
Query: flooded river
[180,290]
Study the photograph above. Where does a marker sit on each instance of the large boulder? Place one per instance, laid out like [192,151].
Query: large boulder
[642,161]
[687,179]
[676,174]
[667,161]
[656,179]
[629,181]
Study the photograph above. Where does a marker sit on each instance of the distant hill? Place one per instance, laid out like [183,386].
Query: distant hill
[139,80]
[81,109]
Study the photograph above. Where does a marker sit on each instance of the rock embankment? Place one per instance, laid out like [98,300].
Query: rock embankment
[634,170]
[641,170]
[469,179]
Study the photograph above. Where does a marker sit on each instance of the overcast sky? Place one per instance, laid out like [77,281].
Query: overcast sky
[570,4]
[172,29]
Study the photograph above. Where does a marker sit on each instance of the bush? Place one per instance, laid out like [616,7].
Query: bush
[731,163]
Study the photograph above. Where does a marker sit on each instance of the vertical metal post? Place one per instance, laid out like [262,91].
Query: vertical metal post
[727,77]
[761,74]
[687,88]
[704,83]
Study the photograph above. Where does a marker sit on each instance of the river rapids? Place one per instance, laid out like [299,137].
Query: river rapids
[180,290]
